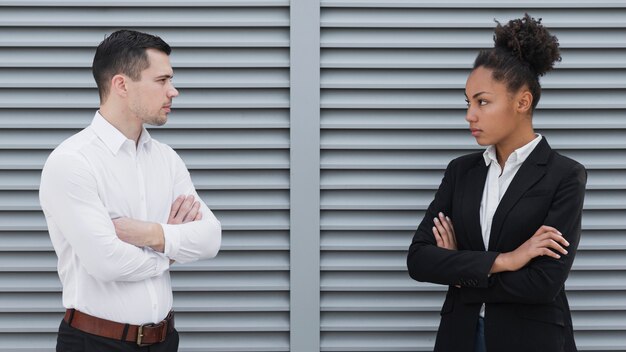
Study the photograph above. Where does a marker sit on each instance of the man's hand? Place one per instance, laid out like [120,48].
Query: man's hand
[542,243]
[444,232]
[184,209]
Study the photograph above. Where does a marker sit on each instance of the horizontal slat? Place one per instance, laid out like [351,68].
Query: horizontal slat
[404,159]
[420,199]
[435,119]
[63,118]
[184,301]
[187,139]
[474,4]
[215,199]
[408,220]
[424,341]
[386,281]
[35,241]
[197,17]
[396,260]
[188,99]
[77,57]
[458,38]
[450,79]
[226,261]
[429,321]
[194,159]
[381,301]
[143,3]
[454,99]
[380,321]
[184,78]
[381,17]
[455,58]
[175,37]
[185,322]
[231,220]
[430,179]
[450,139]
[401,301]
[387,240]
[189,341]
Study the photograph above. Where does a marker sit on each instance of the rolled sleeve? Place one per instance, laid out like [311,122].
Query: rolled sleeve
[172,240]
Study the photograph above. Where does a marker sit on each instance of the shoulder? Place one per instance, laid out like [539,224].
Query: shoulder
[71,150]
[567,168]
[466,161]
[169,157]
[564,161]
[164,149]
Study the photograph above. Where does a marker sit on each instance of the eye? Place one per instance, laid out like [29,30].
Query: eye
[482,102]
[467,102]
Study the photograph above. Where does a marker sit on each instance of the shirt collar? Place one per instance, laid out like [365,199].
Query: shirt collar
[517,157]
[112,137]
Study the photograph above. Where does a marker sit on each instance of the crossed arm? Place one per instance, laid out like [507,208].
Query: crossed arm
[546,241]
[125,249]
[532,273]
[150,234]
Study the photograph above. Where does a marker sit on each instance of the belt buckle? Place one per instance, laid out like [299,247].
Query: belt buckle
[140,334]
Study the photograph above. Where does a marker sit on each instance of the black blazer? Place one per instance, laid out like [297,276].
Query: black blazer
[525,310]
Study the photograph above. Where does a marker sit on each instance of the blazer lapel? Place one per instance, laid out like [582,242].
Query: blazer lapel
[531,171]
[472,197]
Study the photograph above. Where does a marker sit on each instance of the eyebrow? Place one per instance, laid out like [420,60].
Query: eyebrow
[477,94]
[165,76]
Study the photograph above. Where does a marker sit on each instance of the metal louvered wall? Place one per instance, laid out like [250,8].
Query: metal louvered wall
[230,125]
[392,80]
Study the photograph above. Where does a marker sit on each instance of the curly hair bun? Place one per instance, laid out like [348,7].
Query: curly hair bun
[530,42]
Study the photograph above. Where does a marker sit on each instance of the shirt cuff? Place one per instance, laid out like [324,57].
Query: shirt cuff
[163,264]
[172,240]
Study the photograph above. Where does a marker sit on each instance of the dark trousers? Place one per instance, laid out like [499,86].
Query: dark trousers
[73,340]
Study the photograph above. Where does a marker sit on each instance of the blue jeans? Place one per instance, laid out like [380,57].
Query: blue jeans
[479,344]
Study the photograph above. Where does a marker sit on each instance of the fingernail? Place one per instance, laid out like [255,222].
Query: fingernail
[436,220]
[441,214]
[447,218]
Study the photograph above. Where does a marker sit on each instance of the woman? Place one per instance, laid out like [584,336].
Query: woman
[505,223]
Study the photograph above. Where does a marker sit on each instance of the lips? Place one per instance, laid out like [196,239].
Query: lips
[167,107]
[476,131]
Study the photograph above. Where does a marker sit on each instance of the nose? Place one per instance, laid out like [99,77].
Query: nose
[470,116]
[172,92]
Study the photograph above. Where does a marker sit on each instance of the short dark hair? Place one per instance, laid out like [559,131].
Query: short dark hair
[524,50]
[124,51]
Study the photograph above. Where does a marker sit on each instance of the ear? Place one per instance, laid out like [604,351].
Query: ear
[524,102]
[118,85]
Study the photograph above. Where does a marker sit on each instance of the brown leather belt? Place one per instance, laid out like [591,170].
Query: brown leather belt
[143,335]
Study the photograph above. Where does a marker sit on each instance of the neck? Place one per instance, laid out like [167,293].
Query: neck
[124,121]
[505,148]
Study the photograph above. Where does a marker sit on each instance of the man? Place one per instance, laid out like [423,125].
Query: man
[121,207]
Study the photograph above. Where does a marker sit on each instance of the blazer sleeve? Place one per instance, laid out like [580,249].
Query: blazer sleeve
[541,280]
[429,263]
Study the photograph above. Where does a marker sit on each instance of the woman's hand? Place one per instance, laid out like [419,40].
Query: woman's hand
[542,243]
[444,232]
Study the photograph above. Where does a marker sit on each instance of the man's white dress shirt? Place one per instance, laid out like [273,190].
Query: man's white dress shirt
[98,175]
[497,183]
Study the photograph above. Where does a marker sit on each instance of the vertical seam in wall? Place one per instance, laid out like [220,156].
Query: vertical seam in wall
[305,175]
